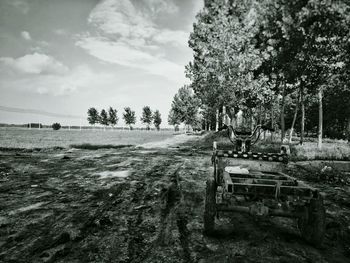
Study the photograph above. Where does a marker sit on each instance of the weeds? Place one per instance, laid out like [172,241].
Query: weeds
[326,175]
[330,151]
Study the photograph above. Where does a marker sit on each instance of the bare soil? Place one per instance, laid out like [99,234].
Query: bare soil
[142,205]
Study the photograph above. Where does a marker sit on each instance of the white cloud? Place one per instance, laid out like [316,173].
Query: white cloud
[123,54]
[127,34]
[20,5]
[176,38]
[161,6]
[60,32]
[26,35]
[122,19]
[78,79]
[35,63]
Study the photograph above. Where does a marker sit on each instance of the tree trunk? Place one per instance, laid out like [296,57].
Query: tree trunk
[251,120]
[265,116]
[348,131]
[223,116]
[294,119]
[320,119]
[217,120]
[283,125]
[260,115]
[302,126]
[272,122]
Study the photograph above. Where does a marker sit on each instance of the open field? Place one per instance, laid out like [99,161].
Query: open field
[143,205]
[44,138]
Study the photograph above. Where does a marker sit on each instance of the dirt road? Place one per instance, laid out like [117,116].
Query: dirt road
[141,205]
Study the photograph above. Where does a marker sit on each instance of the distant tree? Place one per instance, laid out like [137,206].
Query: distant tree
[112,116]
[147,116]
[174,119]
[129,117]
[104,120]
[93,116]
[56,126]
[185,106]
[157,120]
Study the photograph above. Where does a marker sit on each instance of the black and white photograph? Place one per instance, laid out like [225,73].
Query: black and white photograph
[174,131]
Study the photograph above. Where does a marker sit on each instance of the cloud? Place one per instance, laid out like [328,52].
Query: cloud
[128,35]
[123,54]
[161,6]
[78,79]
[26,35]
[60,32]
[122,19]
[20,5]
[35,63]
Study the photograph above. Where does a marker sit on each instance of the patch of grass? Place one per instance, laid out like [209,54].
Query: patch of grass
[326,175]
[336,150]
[88,146]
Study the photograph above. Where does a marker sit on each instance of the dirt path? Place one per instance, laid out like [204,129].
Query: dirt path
[170,142]
[141,205]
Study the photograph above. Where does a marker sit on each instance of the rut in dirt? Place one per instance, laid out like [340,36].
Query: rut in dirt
[173,198]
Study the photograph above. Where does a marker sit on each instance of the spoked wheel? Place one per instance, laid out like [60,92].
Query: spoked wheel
[210,206]
[313,223]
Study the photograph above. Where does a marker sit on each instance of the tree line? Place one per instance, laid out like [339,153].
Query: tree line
[282,62]
[110,117]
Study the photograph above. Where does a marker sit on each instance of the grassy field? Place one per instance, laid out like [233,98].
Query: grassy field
[44,138]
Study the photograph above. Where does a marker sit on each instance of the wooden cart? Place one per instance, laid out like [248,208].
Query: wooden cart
[255,183]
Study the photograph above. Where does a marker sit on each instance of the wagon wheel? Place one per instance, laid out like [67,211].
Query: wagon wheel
[210,206]
[312,224]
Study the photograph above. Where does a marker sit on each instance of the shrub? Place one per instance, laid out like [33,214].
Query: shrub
[56,126]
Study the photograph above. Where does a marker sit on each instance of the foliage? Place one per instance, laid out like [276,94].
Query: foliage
[225,57]
[56,126]
[174,119]
[112,116]
[264,56]
[184,108]
[129,116]
[157,120]
[147,116]
[104,120]
[93,116]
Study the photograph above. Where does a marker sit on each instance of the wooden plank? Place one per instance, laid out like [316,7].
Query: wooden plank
[264,181]
[266,190]
[228,182]
[262,166]
[261,176]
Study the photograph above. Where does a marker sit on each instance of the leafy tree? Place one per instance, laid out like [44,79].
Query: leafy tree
[93,116]
[56,126]
[308,39]
[264,57]
[112,116]
[185,106]
[157,120]
[147,116]
[226,57]
[129,117]
[104,120]
[174,119]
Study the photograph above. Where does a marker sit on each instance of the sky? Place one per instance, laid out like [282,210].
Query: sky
[64,56]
